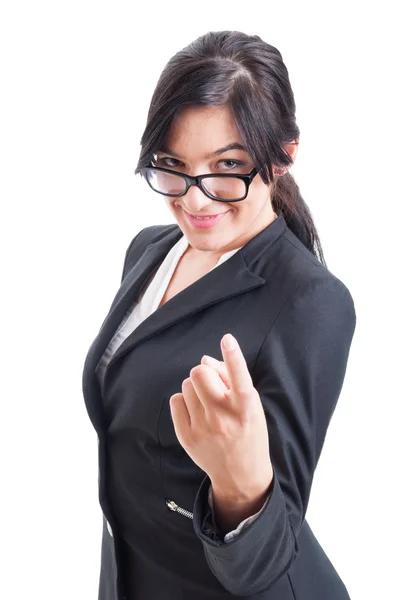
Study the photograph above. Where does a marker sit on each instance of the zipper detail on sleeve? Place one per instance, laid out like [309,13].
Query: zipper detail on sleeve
[173,506]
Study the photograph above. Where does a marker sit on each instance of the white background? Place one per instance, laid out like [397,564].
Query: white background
[76,80]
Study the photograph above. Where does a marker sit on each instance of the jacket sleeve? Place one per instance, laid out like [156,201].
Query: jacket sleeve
[231,535]
[299,374]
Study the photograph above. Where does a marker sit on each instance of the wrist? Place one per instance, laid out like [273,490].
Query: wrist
[232,505]
[241,494]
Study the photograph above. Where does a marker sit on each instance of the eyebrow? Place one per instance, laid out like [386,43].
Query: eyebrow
[233,146]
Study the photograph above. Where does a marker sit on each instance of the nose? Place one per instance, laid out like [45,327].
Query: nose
[195,200]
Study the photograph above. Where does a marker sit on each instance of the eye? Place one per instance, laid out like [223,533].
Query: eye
[230,164]
[169,162]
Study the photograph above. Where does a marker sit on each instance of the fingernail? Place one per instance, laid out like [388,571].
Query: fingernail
[229,342]
[210,359]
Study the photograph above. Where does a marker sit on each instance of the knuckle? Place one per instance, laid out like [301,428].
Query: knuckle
[196,370]
[244,393]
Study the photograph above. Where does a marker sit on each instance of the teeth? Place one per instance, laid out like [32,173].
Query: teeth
[203,218]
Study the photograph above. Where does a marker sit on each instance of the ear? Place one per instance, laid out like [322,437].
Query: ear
[292,149]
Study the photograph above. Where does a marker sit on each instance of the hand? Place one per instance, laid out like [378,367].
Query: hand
[220,422]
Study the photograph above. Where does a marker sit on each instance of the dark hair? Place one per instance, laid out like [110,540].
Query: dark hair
[244,73]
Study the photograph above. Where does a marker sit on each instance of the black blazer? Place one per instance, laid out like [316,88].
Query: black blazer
[294,321]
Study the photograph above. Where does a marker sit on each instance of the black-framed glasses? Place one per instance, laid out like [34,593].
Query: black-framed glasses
[225,187]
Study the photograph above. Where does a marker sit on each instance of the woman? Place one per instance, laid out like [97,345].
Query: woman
[207,453]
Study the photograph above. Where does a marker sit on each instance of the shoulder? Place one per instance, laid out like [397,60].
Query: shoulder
[307,290]
[148,235]
[300,269]
[144,238]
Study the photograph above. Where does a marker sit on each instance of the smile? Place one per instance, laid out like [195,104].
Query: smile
[204,222]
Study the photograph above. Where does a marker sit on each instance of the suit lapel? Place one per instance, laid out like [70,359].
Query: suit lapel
[234,276]
[228,279]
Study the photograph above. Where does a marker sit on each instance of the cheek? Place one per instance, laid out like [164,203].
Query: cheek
[259,194]
[252,203]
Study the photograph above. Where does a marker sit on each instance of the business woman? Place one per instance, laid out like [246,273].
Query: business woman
[213,379]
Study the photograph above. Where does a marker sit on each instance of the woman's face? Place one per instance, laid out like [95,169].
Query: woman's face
[191,147]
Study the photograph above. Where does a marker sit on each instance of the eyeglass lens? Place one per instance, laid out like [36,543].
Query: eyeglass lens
[224,188]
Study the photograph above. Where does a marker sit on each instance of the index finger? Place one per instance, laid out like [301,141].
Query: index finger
[239,376]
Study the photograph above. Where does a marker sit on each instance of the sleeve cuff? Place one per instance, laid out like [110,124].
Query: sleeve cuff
[231,535]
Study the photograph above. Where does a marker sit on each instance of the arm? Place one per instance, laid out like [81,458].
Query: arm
[299,374]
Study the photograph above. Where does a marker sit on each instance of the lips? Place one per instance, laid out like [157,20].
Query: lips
[201,216]
[204,223]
